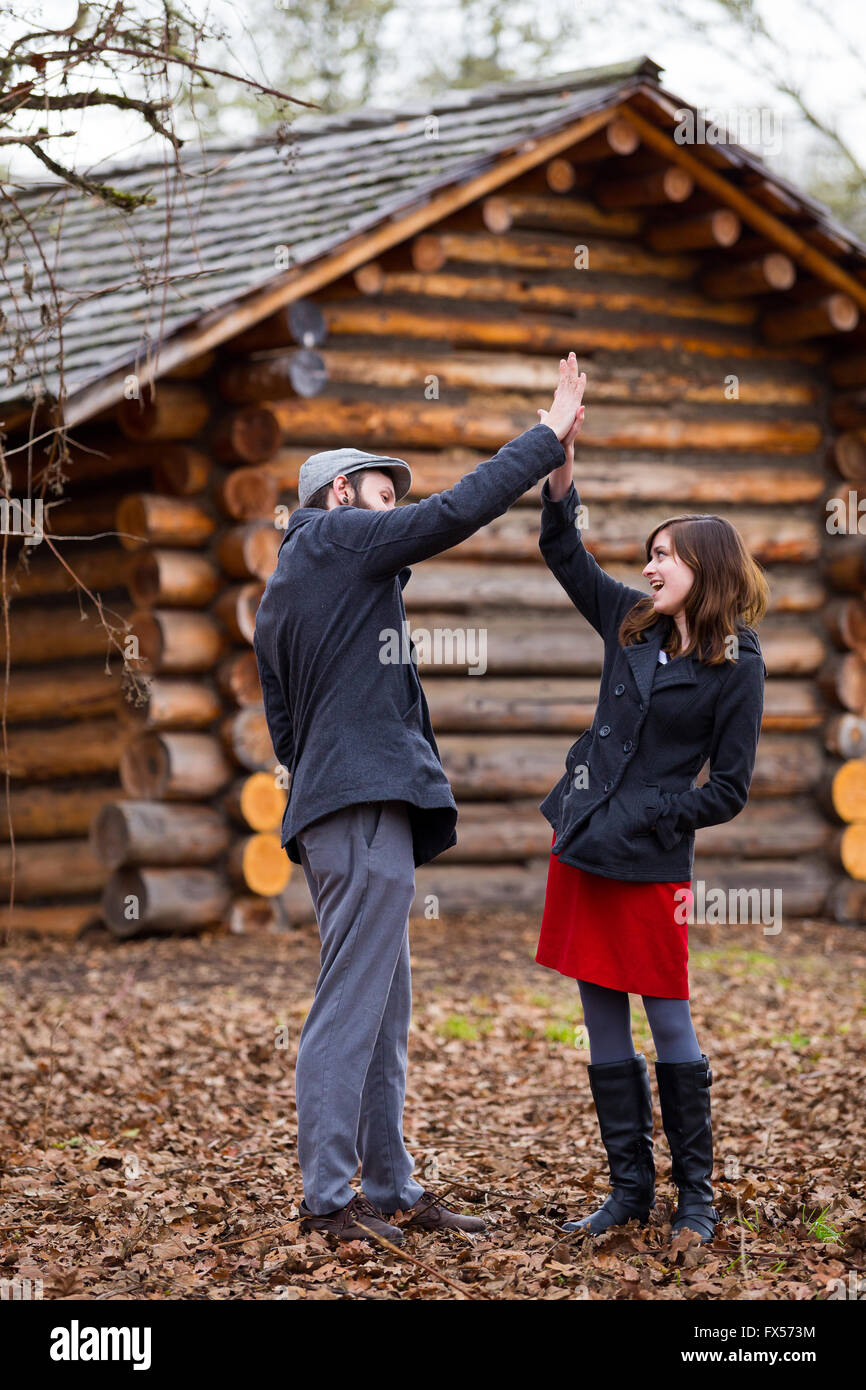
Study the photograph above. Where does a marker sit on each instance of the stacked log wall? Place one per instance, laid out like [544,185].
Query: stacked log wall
[718,379]
[843,679]
[178,857]
[68,612]
[481,316]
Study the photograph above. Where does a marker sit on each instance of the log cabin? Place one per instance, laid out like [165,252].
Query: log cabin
[405,281]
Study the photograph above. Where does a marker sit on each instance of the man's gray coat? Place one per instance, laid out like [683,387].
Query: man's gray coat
[347,723]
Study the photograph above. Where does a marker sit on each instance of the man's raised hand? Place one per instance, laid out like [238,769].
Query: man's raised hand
[567,398]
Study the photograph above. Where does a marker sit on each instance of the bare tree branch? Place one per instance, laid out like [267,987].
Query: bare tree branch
[135,47]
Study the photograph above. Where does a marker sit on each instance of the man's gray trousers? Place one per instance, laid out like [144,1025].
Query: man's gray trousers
[350,1078]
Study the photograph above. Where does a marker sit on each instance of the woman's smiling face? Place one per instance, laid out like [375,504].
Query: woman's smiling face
[674,575]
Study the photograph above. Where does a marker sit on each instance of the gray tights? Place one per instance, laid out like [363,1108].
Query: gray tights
[608,1022]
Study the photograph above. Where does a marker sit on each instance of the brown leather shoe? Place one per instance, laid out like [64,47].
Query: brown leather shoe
[355,1221]
[428,1214]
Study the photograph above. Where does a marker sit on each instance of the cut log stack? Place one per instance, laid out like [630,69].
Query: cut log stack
[178,857]
[843,679]
[247,551]
[163,844]
[63,734]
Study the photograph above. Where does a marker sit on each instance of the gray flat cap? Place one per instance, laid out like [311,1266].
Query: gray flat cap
[323,468]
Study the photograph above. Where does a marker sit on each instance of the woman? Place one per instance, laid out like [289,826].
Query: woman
[682,680]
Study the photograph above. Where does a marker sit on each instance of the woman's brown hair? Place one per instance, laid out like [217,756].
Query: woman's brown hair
[729,587]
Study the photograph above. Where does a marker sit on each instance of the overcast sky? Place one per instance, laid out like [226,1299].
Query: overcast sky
[717,77]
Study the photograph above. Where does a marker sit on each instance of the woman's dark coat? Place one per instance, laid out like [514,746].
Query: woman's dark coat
[627,805]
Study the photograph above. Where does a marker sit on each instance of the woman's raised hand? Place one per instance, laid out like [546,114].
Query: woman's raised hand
[562,415]
[568,441]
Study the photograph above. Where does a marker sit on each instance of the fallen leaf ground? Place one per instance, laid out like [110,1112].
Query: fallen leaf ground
[148,1143]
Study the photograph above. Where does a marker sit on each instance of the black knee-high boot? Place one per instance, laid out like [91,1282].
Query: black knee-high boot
[623,1103]
[684,1097]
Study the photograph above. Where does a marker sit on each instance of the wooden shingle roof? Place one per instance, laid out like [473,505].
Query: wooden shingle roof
[235,204]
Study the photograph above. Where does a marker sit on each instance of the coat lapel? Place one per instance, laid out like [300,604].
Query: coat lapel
[643,657]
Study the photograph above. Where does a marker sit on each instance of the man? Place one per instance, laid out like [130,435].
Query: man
[368,797]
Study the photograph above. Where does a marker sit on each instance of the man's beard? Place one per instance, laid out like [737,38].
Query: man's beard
[356,500]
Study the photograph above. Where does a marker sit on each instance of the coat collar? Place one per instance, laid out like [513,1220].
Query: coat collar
[306,514]
[301,516]
[643,658]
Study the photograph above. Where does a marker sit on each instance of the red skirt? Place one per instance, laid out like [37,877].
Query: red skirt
[623,934]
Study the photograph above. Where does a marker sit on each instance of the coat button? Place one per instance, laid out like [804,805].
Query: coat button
[619,689]
[627,746]
[604,731]
[607,786]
